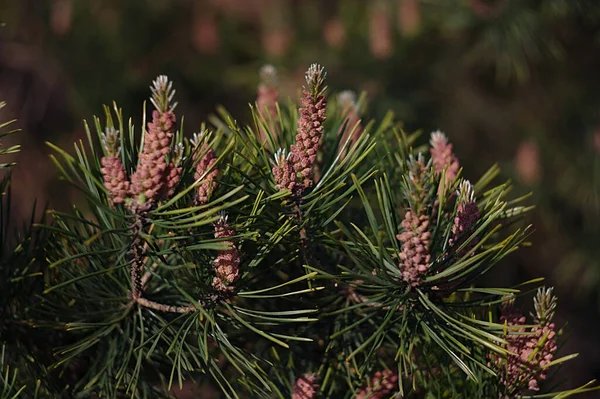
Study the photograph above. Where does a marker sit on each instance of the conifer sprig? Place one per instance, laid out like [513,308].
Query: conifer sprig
[163,95]
[345,267]
[315,80]
[544,304]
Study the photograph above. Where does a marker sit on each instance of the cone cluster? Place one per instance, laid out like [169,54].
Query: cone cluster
[530,350]
[296,170]
[151,173]
[414,255]
[173,173]
[154,178]
[227,262]
[209,182]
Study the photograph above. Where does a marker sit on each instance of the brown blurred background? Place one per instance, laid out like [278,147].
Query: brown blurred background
[513,82]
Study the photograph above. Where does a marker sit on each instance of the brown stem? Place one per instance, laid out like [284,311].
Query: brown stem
[164,308]
[138,251]
[304,239]
[139,281]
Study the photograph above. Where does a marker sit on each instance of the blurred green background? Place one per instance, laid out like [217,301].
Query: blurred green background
[513,82]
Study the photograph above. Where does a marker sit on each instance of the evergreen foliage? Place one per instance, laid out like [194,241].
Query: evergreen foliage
[512,81]
[305,254]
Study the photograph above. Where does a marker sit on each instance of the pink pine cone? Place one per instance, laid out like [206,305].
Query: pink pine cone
[173,178]
[310,129]
[443,157]
[295,172]
[466,217]
[531,352]
[381,386]
[284,175]
[305,387]
[414,255]
[115,179]
[227,263]
[151,173]
[303,153]
[547,335]
[209,183]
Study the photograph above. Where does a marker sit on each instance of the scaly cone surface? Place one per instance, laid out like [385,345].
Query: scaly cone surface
[303,153]
[227,263]
[414,255]
[113,171]
[305,387]
[151,173]
[415,238]
[205,159]
[173,173]
[530,350]
[443,157]
[466,217]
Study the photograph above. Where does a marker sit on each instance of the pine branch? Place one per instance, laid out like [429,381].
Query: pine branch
[186,262]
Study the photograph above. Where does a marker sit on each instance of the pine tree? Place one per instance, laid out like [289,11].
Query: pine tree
[308,254]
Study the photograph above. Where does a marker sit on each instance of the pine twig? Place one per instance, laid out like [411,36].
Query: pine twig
[164,308]
[140,259]
[304,240]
